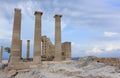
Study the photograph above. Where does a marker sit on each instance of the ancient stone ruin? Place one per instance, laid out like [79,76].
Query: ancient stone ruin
[44,50]
[109,61]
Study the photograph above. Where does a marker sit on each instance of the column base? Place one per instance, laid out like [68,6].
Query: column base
[14,59]
[37,59]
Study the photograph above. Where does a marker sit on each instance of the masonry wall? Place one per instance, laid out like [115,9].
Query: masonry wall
[109,61]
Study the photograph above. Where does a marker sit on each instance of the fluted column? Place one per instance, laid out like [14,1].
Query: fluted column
[58,51]
[15,48]
[37,37]
[28,49]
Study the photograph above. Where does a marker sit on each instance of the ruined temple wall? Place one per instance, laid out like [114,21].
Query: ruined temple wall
[47,46]
[63,51]
[109,61]
[52,50]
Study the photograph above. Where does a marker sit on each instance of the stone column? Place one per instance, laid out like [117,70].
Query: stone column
[58,51]
[15,48]
[28,49]
[37,38]
[67,49]
[1,50]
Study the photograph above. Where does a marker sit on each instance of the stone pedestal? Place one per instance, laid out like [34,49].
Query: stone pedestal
[28,49]
[1,50]
[37,38]
[58,51]
[15,48]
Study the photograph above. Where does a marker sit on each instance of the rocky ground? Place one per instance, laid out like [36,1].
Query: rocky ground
[83,68]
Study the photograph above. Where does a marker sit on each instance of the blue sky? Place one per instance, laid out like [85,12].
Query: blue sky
[93,26]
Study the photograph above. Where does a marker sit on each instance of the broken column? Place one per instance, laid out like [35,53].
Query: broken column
[28,49]
[67,50]
[58,51]
[15,48]
[37,37]
[1,50]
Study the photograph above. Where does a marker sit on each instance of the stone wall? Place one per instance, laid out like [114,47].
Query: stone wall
[109,61]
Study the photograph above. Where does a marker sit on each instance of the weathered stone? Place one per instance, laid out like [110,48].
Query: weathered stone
[37,38]
[15,48]
[28,49]
[47,49]
[11,73]
[108,61]
[58,50]
[48,52]
[66,51]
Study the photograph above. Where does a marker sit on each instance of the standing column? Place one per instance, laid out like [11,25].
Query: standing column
[16,43]
[1,50]
[58,51]
[37,38]
[28,49]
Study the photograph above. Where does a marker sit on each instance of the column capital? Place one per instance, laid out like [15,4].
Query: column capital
[38,12]
[17,9]
[28,40]
[57,15]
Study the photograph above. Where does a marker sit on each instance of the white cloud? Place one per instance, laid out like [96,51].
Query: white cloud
[111,47]
[110,34]
[95,50]
[107,49]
